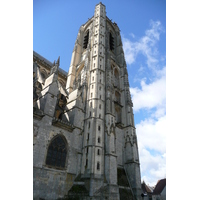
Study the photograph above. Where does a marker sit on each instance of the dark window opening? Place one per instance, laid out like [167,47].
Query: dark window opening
[99,128]
[85,42]
[86,163]
[111,42]
[98,165]
[98,152]
[99,140]
[56,154]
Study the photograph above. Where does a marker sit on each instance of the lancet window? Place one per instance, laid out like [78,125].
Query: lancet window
[57,152]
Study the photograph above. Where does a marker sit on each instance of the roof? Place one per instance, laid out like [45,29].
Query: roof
[48,62]
[161,184]
[42,58]
[146,188]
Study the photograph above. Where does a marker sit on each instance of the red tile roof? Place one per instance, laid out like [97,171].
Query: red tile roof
[161,184]
[146,188]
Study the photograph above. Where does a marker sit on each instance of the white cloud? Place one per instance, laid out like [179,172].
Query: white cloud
[152,134]
[146,45]
[150,95]
[153,168]
[151,98]
[152,149]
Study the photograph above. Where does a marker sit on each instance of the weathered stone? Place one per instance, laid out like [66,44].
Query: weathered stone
[85,145]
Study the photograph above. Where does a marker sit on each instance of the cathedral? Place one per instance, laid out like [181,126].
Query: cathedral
[84,138]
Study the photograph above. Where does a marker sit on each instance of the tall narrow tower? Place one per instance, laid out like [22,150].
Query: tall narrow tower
[100,105]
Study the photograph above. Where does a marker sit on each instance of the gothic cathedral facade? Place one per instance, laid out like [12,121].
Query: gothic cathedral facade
[84,138]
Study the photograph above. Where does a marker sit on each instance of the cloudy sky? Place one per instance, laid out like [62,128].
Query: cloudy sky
[145,56]
[143,31]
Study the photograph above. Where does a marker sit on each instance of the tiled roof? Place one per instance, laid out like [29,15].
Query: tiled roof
[161,184]
[146,188]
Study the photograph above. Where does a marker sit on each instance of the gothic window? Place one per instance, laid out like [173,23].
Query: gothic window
[117,114]
[116,74]
[93,77]
[85,42]
[88,136]
[99,106]
[100,88]
[98,165]
[99,128]
[89,125]
[99,115]
[116,78]
[117,96]
[91,95]
[86,164]
[90,104]
[56,154]
[111,42]
[99,140]
[98,152]
[92,86]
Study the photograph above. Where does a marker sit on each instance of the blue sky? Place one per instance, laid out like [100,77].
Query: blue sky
[143,30]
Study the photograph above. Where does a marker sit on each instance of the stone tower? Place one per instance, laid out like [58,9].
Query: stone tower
[100,100]
[84,138]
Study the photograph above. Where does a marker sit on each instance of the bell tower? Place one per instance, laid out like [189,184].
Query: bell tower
[100,105]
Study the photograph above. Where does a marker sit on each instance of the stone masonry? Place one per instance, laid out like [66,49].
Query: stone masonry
[84,138]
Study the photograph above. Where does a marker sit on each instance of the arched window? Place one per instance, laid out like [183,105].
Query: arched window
[117,97]
[98,165]
[111,42]
[99,140]
[116,78]
[85,42]
[57,152]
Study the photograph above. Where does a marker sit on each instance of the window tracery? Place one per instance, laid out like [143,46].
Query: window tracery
[57,152]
